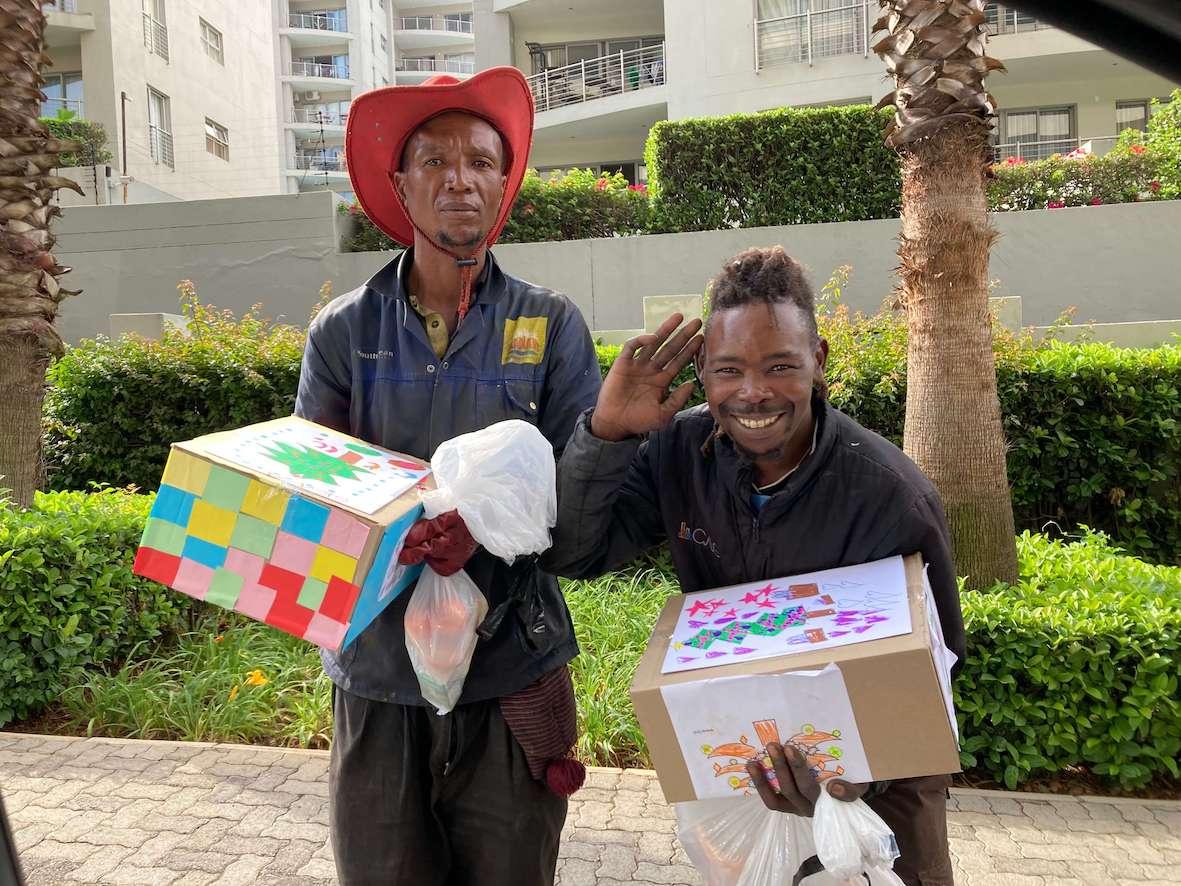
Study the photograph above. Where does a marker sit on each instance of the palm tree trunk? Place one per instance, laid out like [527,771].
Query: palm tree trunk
[29,291]
[953,420]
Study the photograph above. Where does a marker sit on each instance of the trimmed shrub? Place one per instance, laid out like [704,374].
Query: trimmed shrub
[784,167]
[1074,180]
[70,598]
[89,136]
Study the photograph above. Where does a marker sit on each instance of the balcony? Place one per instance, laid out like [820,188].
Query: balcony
[313,75]
[1040,150]
[317,29]
[50,106]
[421,31]
[621,73]
[415,70]
[803,37]
[156,36]
[1002,20]
[313,164]
[160,146]
[310,122]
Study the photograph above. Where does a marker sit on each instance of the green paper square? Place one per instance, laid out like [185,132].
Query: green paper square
[312,594]
[224,588]
[164,536]
[225,488]
[254,536]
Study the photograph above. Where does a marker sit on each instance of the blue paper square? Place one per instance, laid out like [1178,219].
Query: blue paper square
[174,505]
[203,552]
[305,519]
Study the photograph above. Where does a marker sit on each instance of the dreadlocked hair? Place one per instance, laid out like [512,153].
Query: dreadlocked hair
[764,276]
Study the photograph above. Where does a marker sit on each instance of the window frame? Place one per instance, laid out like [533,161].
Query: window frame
[215,144]
[207,29]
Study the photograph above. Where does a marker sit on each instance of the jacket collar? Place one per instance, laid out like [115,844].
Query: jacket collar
[392,278]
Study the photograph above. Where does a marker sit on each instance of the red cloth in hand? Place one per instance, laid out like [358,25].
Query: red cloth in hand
[443,542]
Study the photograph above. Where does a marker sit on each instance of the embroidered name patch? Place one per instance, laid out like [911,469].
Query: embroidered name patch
[524,340]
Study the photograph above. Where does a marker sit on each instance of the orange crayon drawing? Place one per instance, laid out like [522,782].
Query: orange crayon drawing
[733,757]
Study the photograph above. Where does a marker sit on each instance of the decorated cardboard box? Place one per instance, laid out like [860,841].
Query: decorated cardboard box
[847,665]
[288,522]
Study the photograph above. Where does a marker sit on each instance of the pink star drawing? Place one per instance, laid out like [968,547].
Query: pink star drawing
[766,604]
[761,596]
[709,607]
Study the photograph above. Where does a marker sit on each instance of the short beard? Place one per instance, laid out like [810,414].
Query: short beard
[471,242]
[775,453]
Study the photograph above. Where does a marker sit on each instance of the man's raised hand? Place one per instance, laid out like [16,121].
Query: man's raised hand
[635,398]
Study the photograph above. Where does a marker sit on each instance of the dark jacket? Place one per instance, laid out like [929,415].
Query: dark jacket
[856,498]
[369,370]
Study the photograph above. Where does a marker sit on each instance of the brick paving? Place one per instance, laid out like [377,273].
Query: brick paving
[139,813]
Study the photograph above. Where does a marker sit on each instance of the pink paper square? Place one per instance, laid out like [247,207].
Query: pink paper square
[326,632]
[193,579]
[345,534]
[246,565]
[255,600]
[293,553]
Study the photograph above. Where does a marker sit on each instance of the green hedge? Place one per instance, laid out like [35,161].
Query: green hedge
[1162,143]
[781,167]
[90,137]
[1082,180]
[69,597]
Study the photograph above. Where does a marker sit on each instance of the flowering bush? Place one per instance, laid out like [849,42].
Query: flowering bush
[1076,179]
[1161,143]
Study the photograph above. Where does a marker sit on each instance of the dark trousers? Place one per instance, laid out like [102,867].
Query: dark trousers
[436,801]
[916,811]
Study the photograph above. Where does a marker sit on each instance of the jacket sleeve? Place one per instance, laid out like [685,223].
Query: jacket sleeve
[608,507]
[923,528]
[573,379]
[325,378]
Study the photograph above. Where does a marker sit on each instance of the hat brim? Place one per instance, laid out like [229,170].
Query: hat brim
[380,122]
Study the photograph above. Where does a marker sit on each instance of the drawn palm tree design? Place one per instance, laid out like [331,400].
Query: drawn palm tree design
[310,464]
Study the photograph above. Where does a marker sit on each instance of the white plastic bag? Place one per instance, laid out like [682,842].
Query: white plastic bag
[501,479]
[852,839]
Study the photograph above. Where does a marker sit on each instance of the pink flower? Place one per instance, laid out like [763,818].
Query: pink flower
[1096,202]
[639,189]
[1055,204]
[601,184]
[1155,186]
[1014,161]
[1138,149]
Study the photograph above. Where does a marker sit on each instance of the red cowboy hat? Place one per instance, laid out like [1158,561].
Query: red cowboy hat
[382,120]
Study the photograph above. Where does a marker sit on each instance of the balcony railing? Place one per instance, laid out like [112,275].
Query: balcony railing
[450,65]
[815,33]
[50,106]
[160,145]
[1040,150]
[334,21]
[435,23]
[59,6]
[1003,20]
[583,81]
[156,36]
[316,162]
[315,69]
[317,116]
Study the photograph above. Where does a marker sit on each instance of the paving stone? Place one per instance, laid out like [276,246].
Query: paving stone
[99,863]
[185,859]
[134,875]
[583,851]
[618,862]
[318,868]
[576,872]
[243,871]
[673,873]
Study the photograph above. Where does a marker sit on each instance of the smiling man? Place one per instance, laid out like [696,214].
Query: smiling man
[438,343]
[764,481]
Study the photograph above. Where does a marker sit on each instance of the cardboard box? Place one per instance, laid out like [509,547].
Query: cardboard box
[288,522]
[893,710]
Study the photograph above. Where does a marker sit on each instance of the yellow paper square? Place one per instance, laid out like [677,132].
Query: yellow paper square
[267,503]
[186,472]
[212,524]
[524,340]
[329,563]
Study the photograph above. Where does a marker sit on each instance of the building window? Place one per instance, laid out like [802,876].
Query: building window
[795,31]
[1134,114]
[1037,133]
[155,28]
[211,40]
[460,63]
[217,139]
[62,92]
[160,128]
[458,21]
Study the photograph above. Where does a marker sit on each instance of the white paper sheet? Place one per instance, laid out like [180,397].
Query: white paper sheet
[318,460]
[819,610]
[944,657]
[725,723]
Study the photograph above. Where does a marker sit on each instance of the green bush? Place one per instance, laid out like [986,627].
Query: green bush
[113,408]
[1077,664]
[781,167]
[1074,180]
[575,205]
[89,136]
[69,596]
[1162,144]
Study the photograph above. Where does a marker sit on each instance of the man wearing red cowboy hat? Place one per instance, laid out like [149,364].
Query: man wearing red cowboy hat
[438,343]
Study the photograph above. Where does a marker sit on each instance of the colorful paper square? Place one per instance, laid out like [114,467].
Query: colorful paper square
[281,580]
[287,615]
[329,564]
[186,472]
[224,588]
[156,565]
[164,536]
[255,600]
[342,596]
[211,523]
[193,578]
[265,502]
[174,505]
[306,519]
[244,564]
[293,553]
[325,632]
[312,593]
[203,552]
[345,533]
[254,536]
[225,488]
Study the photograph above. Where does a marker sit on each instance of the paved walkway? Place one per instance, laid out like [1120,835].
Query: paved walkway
[188,814]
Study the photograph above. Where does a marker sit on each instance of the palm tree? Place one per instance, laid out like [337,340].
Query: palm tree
[29,290]
[935,50]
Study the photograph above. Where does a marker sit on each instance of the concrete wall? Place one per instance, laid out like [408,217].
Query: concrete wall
[1115,263]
